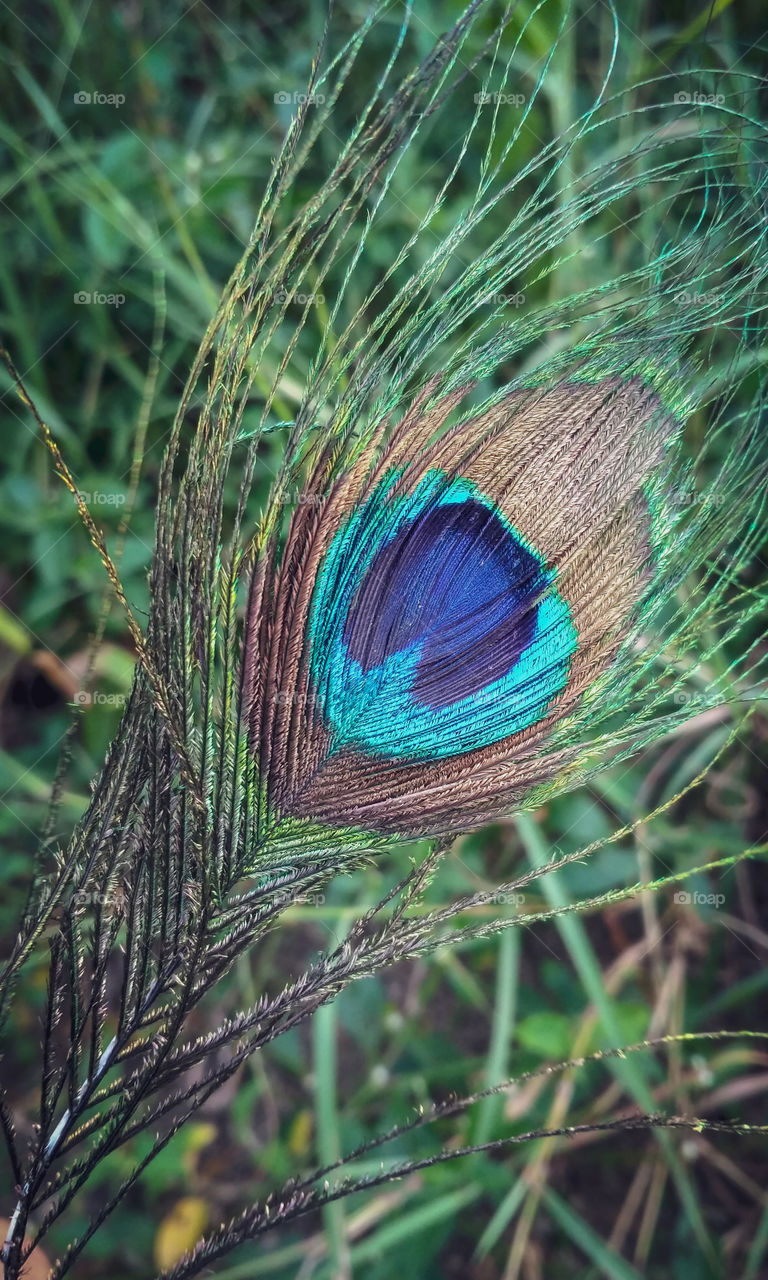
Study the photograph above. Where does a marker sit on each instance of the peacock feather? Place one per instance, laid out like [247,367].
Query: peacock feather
[481,593]
[463,590]
[506,543]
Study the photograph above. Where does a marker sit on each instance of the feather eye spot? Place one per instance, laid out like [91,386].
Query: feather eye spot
[436,628]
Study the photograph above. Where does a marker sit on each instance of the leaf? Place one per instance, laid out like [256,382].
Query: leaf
[546,1034]
[180,1229]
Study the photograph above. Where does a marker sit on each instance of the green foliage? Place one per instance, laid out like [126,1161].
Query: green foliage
[156,200]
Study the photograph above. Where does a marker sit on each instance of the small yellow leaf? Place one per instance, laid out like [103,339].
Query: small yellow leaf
[180,1230]
[199,1136]
[300,1134]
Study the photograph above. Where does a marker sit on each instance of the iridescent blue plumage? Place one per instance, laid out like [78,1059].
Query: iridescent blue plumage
[436,628]
[455,605]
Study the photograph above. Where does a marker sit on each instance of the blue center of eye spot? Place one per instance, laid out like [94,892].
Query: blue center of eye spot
[457,583]
[435,627]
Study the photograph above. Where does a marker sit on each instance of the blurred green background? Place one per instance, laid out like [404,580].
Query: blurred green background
[144,203]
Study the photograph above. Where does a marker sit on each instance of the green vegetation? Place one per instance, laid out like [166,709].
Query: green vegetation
[144,206]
